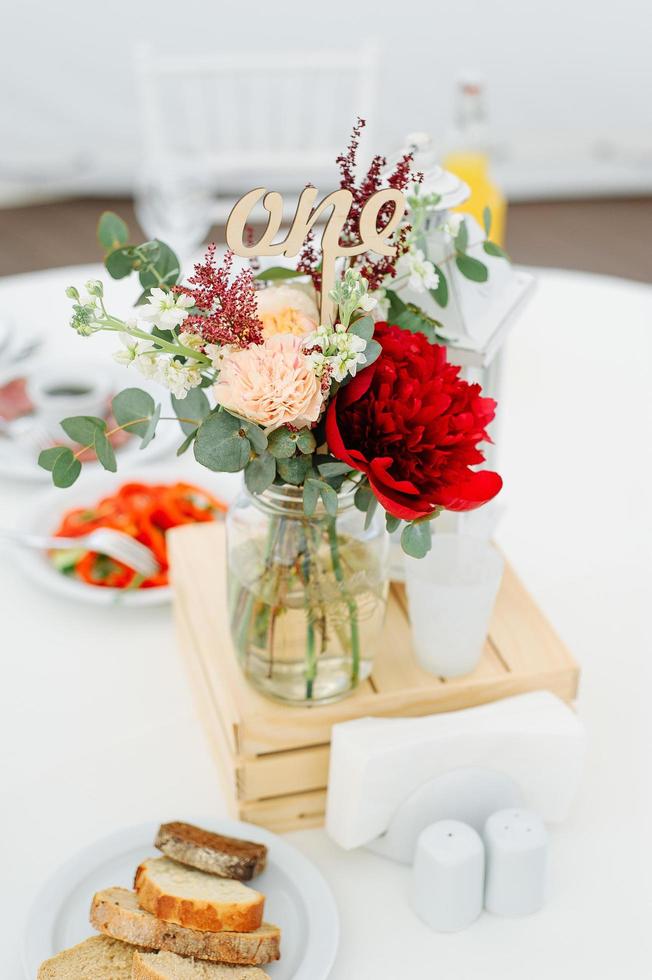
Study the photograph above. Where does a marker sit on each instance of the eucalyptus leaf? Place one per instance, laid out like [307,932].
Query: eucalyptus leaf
[167,268]
[256,436]
[104,452]
[392,523]
[364,327]
[396,305]
[416,321]
[221,444]
[83,429]
[492,249]
[133,408]
[440,294]
[372,352]
[306,442]
[293,470]
[333,468]
[187,442]
[195,406]
[329,497]
[277,272]
[416,539]
[66,469]
[166,335]
[150,431]
[486,220]
[462,237]
[260,473]
[120,262]
[48,457]
[282,443]
[112,232]
[472,268]
[363,497]
[310,496]
[371,510]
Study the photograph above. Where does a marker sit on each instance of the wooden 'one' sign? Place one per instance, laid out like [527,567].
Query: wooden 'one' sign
[371,239]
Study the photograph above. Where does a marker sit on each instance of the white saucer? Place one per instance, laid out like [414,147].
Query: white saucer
[298,899]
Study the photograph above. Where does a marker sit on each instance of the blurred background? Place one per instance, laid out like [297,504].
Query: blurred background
[177,109]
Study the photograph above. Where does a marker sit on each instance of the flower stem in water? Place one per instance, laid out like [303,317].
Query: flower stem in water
[350,601]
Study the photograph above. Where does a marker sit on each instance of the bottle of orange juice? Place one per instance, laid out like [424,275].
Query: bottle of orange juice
[468,156]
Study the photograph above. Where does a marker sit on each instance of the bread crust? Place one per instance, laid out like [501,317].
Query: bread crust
[227,857]
[145,967]
[207,916]
[115,913]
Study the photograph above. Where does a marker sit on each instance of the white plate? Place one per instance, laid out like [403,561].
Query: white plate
[45,510]
[298,899]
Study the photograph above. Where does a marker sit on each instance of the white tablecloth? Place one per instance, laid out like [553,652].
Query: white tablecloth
[98,730]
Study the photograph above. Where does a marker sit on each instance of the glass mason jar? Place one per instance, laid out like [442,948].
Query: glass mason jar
[307,595]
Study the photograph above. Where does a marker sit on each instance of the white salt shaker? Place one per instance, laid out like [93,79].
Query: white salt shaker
[516,843]
[447,886]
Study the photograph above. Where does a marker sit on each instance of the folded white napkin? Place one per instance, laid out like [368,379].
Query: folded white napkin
[377,763]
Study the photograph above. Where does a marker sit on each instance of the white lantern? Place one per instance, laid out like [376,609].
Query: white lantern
[478,315]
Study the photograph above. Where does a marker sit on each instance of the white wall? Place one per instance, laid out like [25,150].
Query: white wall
[570,81]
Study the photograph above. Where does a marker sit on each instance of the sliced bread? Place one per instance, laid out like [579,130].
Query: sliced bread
[227,857]
[176,893]
[98,958]
[168,966]
[116,912]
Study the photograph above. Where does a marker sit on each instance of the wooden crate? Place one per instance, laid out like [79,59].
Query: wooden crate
[273,759]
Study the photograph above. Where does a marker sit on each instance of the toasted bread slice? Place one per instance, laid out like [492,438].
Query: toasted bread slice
[168,966]
[191,898]
[227,857]
[98,958]
[116,913]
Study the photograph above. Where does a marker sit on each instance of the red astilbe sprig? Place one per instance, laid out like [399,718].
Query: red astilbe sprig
[375,269]
[228,313]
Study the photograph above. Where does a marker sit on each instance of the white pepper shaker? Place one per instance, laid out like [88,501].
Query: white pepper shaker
[447,886]
[516,844]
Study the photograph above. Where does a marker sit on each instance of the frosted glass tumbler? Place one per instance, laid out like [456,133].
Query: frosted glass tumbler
[451,594]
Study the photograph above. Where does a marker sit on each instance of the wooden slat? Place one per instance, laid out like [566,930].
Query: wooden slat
[287,813]
[208,712]
[521,633]
[282,773]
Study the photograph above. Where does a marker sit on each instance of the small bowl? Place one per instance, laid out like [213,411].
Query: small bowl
[58,391]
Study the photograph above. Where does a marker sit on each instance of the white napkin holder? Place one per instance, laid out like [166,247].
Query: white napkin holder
[392,777]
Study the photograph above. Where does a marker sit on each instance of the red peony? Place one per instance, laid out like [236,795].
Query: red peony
[413,425]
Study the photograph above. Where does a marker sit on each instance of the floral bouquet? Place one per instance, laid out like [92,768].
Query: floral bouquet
[341,428]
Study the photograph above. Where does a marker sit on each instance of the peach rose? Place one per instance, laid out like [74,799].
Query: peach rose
[271,383]
[287,309]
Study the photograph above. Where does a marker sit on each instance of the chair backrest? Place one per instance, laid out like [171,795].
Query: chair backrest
[286,113]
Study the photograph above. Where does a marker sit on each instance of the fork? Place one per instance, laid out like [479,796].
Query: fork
[105,540]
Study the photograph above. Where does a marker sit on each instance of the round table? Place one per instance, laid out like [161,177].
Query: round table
[98,729]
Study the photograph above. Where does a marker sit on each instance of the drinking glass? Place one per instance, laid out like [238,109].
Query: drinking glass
[451,595]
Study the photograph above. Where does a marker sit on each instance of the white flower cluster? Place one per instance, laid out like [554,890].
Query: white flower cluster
[350,294]
[166,310]
[452,224]
[335,349]
[155,365]
[420,272]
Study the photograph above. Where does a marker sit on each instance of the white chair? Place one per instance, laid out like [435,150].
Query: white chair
[215,126]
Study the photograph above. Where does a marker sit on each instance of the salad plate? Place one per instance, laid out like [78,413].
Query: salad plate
[298,899]
[45,511]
